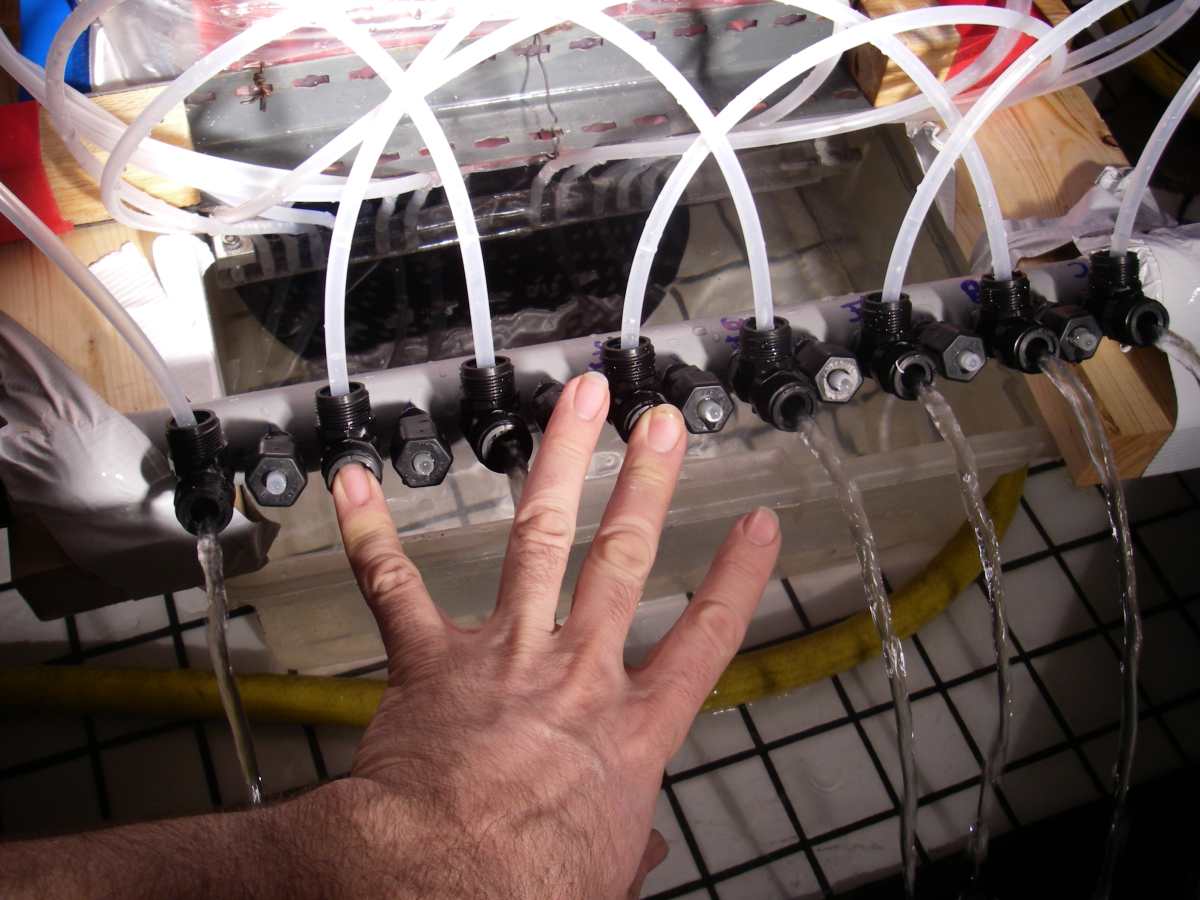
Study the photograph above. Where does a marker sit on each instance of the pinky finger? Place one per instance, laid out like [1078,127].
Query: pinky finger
[687,662]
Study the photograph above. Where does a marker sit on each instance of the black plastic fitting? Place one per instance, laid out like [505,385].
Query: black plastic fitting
[833,369]
[490,415]
[632,383]
[421,455]
[699,395]
[763,373]
[204,491]
[277,476]
[1116,299]
[1076,330]
[1008,323]
[886,349]
[545,398]
[346,428]
[958,354]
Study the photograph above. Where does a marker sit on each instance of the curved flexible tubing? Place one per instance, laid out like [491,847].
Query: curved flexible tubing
[962,134]
[58,252]
[879,32]
[403,99]
[1139,181]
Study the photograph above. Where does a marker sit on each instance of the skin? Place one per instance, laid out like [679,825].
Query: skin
[518,759]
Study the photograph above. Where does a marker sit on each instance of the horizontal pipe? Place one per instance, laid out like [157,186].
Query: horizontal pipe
[704,342]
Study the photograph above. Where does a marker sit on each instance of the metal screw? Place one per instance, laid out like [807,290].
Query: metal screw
[423,463]
[840,381]
[231,242]
[1084,339]
[710,411]
[970,361]
[275,482]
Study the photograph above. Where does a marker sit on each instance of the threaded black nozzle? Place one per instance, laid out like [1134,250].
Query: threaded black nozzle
[632,367]
[204,491]
[767,346]
[493,387]
[1010,298]
[194,447]
[1114,273]
[348,415]
[886,319]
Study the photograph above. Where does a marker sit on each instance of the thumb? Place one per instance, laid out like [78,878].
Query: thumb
[656,851]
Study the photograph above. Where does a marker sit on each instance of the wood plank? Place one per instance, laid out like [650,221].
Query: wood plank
[39,296]
[77,195]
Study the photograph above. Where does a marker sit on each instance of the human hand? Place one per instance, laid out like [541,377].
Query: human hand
[521,759]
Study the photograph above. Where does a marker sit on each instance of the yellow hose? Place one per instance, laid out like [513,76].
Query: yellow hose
[189,694]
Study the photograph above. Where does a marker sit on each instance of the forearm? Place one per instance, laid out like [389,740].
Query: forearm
[312,845]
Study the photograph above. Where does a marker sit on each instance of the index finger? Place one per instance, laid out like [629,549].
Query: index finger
[388,579]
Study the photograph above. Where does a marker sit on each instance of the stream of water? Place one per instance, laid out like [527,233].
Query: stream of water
[946,423]
[880,609]
[1181,350]
[1092,428]
[208,550]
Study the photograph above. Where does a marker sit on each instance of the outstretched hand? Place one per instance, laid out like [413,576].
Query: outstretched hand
[520,758]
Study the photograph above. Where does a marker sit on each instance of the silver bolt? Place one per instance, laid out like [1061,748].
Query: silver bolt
[1085,339]
[276,483]
[423,463]
[840,382]
[970,361]
[710,411]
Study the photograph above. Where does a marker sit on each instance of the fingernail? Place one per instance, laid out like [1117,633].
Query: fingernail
[590,394]
[353,481]
[761,527]
[665,428]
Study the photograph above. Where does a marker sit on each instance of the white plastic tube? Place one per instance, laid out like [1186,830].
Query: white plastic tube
[965,130]
[879,32]
[403,99]
[59,254]
[1139,181]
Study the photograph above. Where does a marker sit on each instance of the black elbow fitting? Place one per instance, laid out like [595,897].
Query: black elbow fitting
[833,369]
[1009,326]
[887,351]
[763,373]
[346,428]
[421,455]
[277,476]
[632,383]
[490,416]
[545,398]
[699,395]
[1116,299]
[204,491]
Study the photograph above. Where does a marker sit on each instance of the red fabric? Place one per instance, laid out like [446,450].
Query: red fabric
[21,168]
[972,39]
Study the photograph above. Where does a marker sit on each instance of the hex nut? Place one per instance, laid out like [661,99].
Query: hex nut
[833,369]
[277,453]
[1076,330]
[953,350]
[700,396]
[420,455]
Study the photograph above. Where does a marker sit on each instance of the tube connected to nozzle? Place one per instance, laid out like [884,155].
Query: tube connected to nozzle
[204,492]
[763,374]
[346,428]
[1008,323]
[1116,299]
[491,419]
[632,383]
[886,349]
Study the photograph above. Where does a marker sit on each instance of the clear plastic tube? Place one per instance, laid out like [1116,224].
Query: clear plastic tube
[963,133]
[403,99]
[48,242]
[879,32]
[1139,181]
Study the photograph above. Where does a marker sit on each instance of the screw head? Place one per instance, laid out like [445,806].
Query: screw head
[970,361]
[420,455]
[1084,339]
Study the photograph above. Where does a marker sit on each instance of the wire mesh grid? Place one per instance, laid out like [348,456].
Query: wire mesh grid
[749,806]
